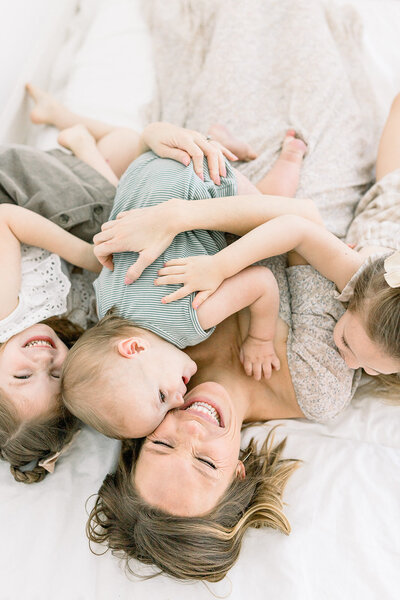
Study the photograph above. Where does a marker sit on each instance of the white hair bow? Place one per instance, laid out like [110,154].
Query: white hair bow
[392,270]
[50,462]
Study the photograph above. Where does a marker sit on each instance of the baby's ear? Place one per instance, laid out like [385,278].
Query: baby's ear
[131,347]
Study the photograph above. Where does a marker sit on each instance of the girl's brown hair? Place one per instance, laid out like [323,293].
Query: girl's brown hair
[378,305]
[204,547]
[22,442]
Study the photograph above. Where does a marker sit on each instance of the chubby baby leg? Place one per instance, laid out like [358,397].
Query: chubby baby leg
[283,177]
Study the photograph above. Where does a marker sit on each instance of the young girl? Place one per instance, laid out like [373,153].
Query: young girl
[34,425]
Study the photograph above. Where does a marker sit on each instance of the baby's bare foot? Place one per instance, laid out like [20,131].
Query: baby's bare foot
[46,106]
[76,139]
[293,148]
[242,150]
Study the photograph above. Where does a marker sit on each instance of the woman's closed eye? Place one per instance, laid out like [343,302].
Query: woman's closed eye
[21,376]
[207,462]
[162,396]
[160,443]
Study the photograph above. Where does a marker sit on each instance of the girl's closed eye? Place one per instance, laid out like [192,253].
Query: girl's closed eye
[21,376]
[161,395]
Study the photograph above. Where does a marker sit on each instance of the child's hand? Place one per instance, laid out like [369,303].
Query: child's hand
[183,145]
[258,357]
[197,273]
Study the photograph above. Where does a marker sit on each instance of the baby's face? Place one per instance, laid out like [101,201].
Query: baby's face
[358,350]
[147,381]
[30,369]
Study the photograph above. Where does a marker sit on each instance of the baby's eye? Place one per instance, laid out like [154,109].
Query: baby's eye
[21,376]
[161,396]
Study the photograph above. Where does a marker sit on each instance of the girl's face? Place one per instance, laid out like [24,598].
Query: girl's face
[30,369]
[189,461]
[358,350]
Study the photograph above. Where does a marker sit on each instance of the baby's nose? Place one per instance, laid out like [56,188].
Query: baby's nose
[176,400]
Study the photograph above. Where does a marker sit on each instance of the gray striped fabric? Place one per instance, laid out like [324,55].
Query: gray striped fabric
[148,181]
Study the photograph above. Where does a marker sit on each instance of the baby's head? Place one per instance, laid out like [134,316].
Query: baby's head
[368,334]
[34,425]
[122,380]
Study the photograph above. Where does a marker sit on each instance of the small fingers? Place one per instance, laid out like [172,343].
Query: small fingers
[169,279]
[248,367]
[175,262]
[179,269]
[276,363]
[267,370]
[181,293]
[200,298]
[257,371]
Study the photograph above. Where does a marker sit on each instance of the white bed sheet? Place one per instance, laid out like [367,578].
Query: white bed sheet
[343,503]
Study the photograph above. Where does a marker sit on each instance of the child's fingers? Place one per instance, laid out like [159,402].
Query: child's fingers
[175,262]
[170,279]
[199,298]
[257,371]
[248,367]
[181,293]
[276,363]
[179,269]
[267,370]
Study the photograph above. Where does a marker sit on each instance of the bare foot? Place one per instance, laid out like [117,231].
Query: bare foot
[46,106]
[77,139]
[293,148]
[242,150]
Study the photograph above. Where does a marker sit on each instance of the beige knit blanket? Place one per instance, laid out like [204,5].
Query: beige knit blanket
[263,66]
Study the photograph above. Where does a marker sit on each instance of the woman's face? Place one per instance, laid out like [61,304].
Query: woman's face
[358,350]
[189,461]
[30,368]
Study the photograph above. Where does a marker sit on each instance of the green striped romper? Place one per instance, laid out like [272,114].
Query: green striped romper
[148,181]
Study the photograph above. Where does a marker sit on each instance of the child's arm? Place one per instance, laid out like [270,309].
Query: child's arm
[255,287]
[323,250]
[30,228]
[149,231]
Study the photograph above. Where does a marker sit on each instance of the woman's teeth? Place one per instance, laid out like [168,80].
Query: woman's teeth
[207,409]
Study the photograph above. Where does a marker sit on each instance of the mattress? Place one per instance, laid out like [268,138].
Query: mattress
[343,503]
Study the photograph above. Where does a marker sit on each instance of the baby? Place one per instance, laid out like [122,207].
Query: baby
[124,374]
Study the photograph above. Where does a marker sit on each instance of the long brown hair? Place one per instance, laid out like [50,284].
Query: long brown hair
[25,441]
[204,547]
[378,305]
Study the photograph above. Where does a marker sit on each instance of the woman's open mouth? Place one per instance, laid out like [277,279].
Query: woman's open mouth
[204,409]
[40,342]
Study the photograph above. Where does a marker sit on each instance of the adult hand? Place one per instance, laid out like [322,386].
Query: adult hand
[183,145]
[148,231]
[197,273]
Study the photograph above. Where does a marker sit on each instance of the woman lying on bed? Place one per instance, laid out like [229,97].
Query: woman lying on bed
[34,425]
[183,497]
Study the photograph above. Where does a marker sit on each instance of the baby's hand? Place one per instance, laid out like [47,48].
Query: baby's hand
[258,356]
[197,273]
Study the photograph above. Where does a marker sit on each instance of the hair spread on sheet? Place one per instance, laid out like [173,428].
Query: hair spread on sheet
[203,547]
